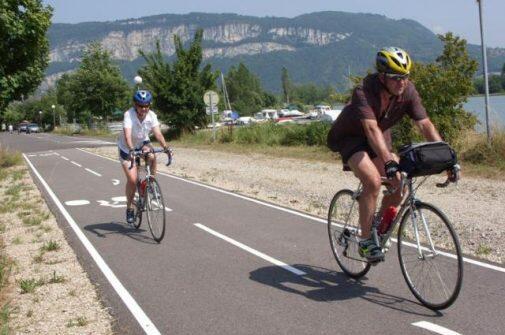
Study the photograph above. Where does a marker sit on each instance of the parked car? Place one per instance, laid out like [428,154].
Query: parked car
[33,128]
[22,127]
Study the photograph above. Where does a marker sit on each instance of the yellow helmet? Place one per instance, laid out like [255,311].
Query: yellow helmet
[393,60]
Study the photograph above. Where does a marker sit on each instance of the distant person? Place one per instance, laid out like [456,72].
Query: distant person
[11,128]
[139,121]
[362,135]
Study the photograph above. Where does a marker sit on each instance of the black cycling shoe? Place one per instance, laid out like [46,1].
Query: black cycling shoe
[369,250]
[130,216]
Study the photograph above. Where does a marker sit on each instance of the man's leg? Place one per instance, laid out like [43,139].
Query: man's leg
[366,171]
[390,199]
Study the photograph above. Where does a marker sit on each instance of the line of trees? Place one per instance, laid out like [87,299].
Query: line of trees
[496,83]
[98,91]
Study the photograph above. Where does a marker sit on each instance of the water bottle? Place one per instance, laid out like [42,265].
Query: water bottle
[142,187]
[387,218]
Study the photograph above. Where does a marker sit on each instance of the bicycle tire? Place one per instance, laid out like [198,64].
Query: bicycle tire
[343,218]
[431,267]
[138,209]
[155,209]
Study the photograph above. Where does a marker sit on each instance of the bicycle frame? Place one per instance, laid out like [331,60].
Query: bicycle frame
[408,202]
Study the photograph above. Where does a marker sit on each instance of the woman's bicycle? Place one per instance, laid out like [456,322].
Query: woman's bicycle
[148,196]
[428,248]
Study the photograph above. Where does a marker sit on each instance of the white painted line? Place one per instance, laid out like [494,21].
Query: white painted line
[65,158]
[115,182]
[435,328]
[32,155]
[313,218]
[93,172]
[251,250]
[119,199]
[132,305]
[76,202]
[79,165]
[168,209]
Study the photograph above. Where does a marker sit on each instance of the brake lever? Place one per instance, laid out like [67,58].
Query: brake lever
[169,157]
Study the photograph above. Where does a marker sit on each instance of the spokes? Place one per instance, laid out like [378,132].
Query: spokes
[430,257]
[343,227]
[155,210]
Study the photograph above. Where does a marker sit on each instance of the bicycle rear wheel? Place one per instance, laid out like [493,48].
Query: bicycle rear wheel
[343,230]
[155,209]
[430,256]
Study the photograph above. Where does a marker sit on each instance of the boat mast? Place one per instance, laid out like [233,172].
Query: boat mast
[225,92]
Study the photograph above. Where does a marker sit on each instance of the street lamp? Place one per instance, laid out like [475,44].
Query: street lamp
[484,61]
[54,116]
[137,80]
[40,118]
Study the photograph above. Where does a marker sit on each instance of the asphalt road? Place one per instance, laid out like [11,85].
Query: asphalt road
[230,264]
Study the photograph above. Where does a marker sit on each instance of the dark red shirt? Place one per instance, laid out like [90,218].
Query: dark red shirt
[366,104]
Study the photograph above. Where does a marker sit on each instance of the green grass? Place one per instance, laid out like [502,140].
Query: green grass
[5,270]
[4,320]
[55,279]
[78,322]
[29,285]
[476,156]
[50,246]
[483,250]
[17,240]
[32,220]
[9,158]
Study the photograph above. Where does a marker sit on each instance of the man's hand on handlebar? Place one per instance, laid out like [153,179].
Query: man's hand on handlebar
[391,168]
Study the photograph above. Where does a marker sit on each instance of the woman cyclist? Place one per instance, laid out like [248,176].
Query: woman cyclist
[139,121]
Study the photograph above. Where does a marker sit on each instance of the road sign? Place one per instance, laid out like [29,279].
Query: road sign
[213,108]
[210,98]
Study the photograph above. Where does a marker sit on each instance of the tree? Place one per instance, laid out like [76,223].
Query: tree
[444,86]
[96,89]
[245,91]
[503,76]
[286,84]
[178,88]
[24,47]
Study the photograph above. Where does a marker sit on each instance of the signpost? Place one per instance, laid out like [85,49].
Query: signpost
[211,99]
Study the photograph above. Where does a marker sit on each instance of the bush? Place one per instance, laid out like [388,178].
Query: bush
[9,158]
[294,135]
[482,153]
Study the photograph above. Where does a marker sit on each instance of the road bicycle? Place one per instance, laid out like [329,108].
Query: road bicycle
[148,196]
[428,248]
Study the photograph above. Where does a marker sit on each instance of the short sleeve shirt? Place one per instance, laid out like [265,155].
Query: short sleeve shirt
[366,104]
[140,130]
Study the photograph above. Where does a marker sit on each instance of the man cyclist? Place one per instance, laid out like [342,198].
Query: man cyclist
[362,135]
[139,121]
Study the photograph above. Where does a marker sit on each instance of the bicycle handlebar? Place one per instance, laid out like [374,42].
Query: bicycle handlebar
[140,153]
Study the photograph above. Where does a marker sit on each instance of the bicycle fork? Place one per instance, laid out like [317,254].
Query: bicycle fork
[415,218]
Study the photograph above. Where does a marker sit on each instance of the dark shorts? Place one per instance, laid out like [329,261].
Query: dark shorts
[123,156]
[348,146]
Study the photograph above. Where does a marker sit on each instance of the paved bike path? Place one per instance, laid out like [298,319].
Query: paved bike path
[195,282]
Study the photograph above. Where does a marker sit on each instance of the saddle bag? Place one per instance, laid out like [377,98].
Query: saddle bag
[426,158]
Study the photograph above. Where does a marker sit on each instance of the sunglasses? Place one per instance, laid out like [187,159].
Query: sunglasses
[397,77]
[143,106]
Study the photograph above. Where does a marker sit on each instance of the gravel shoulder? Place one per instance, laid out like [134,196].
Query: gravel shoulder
[475,206]
[48,291]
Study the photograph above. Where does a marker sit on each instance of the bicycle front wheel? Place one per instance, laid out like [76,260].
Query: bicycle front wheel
[343,230]
[430,256]
[155,209]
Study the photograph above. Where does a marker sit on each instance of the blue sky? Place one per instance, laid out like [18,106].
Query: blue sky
[458,16]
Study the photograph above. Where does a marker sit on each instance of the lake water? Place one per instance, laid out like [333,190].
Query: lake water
[476,105]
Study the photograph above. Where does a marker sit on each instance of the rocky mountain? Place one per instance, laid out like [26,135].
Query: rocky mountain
[320,47]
